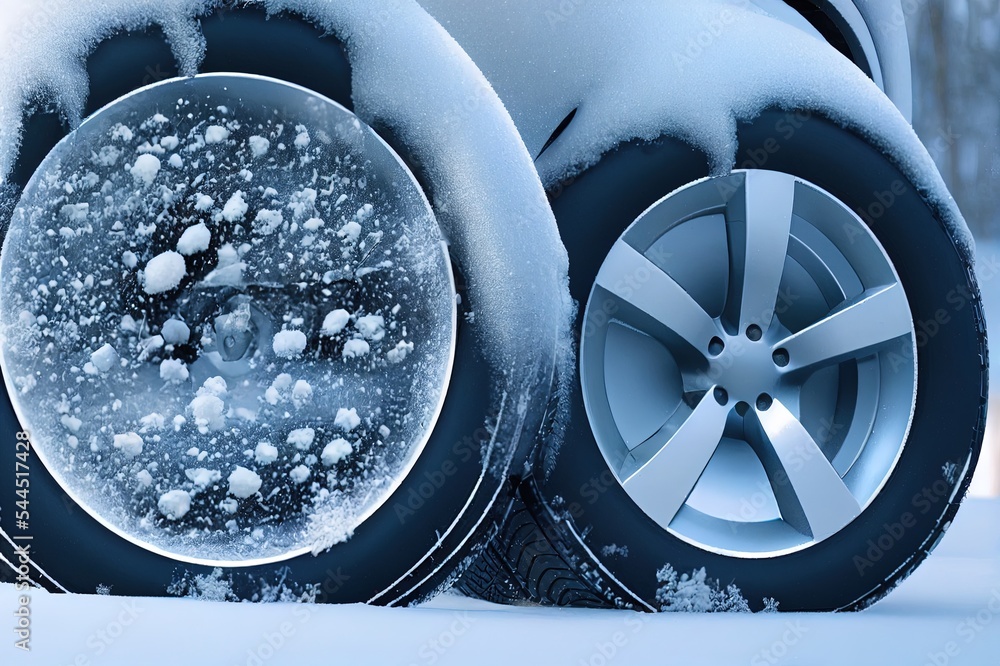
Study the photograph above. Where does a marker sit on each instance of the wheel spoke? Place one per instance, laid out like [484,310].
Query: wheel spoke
[628,275]
[853,330]
[810,494]
[661,472]
[758,225]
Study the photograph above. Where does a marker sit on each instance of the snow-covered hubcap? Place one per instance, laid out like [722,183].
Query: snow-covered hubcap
[228,318]
[748,364]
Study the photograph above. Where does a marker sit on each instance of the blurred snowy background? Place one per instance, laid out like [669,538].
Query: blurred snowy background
[955,46]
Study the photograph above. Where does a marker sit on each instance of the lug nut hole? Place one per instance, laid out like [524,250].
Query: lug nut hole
[716,346]
[754,332]
[781,358]
[721,396]
[764,402]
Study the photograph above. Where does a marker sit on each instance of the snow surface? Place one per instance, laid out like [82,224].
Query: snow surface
[950,604]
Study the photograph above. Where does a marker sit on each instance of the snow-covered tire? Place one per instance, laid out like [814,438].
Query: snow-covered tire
[575,513]
[421,536]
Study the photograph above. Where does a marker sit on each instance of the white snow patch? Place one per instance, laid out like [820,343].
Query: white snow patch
[203,202]
[194,239]
[216,134]
[350,232]
[152,421]
[302,138]
[259,145]
[175,332]
[130,444]
[356,348]
[302,391]
[335,322]
[268,221]
[347,419]
[71,423]
[336,451]
[105,358]
[302,438]
[399,352]
[289,344]
[164,272]
[265,453]
[209,412]
[372,327]
[299,474]
[174,504]
[202,477]
[144,478]
[243,483]
[216,386]
[122,133]
[145,168]
[173,371]
[235,208]
[75,212]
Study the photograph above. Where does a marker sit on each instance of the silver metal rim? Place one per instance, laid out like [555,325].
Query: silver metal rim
[222,85]
[748,364]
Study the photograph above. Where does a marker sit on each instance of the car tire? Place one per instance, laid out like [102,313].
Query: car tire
[574,535]
[421,536]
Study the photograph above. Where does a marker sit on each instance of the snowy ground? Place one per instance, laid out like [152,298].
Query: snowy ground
[948,612]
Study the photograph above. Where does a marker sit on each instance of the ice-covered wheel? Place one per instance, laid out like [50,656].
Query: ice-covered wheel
[242,351]
[774,384]
[196,290]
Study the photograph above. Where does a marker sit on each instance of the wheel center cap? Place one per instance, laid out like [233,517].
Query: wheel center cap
[745,369]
